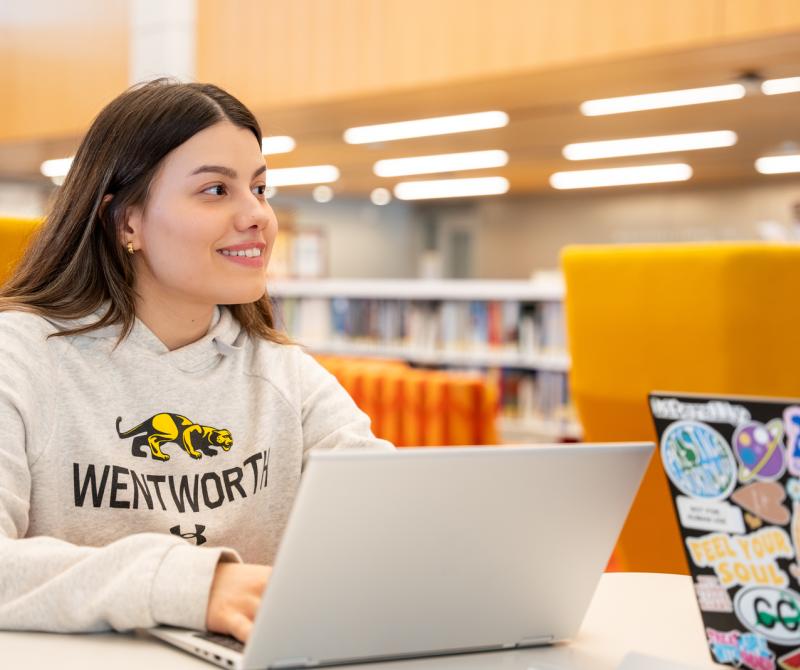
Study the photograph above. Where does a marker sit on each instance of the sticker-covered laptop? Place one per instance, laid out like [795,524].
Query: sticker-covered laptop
[733,466]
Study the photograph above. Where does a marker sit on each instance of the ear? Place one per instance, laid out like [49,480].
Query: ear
[132,226]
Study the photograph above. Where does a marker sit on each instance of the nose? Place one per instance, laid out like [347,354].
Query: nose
[254,213]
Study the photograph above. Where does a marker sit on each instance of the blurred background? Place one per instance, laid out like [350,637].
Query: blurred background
[430,160]
[311,69]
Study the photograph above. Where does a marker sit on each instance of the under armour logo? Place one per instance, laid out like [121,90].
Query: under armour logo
[197,535]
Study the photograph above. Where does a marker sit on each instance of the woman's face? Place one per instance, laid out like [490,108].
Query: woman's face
[207,231]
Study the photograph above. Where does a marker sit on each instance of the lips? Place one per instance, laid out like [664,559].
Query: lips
[249,254]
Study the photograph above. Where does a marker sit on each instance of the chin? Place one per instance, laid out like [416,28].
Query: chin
[242,297]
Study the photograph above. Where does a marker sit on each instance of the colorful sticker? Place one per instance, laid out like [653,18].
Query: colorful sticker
[790,661]
[759,449]
[748,560]
[698,460]
[791,420]
[753,522]
[793,489]
[764,499]
[794,568]
[771,612]
[709,515]
[711,596]
[737,648]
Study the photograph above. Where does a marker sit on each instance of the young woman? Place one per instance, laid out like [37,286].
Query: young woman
[155,421]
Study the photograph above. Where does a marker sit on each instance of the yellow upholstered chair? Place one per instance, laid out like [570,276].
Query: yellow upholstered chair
[14,236]
[704,318]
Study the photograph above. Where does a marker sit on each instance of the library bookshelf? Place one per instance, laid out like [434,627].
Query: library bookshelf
[511,331]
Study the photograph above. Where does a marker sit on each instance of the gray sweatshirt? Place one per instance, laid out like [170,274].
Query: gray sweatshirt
[126,474]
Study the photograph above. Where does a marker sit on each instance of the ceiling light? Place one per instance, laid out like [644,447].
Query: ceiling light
[57,167]
[642,174]
[312,174]
[470,160]
[778,164]
[322,193]
[638,103]
[659,144]
[450,188]
[779,86]
[380,196]
[277,144]
[442,125]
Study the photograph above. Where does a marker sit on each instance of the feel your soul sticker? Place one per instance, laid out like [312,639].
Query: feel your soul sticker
[748,560]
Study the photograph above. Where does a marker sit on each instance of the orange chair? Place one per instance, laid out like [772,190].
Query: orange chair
[14,237]
[414,407]
[704,318]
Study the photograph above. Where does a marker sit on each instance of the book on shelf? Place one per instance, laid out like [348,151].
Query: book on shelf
[533,396]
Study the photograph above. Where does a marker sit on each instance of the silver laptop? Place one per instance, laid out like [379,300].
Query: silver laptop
[402,554]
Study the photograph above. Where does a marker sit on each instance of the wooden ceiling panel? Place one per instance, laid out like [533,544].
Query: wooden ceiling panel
[544,116]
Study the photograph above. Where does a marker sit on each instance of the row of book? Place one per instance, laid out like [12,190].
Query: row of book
[426,325]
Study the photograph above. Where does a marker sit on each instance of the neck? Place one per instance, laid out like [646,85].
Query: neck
[175,323]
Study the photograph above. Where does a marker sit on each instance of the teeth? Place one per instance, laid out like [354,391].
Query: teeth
[248,253]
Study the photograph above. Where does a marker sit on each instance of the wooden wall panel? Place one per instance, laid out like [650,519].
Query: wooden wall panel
[60,62]
[275,52]
[744,18]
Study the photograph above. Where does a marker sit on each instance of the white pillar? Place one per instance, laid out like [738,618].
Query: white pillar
[163,39]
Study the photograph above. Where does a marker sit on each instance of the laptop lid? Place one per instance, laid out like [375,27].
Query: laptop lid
[425,551]
[733,465]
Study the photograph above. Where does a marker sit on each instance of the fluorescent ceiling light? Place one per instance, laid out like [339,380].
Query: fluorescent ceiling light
[380,196]
[277,144]
[322,193]
[442,125]
[638,103]
[450,188]
[312,174]
[57,167]
[778,86]
[470,160]
[642,174]
[659,144]
[778,164]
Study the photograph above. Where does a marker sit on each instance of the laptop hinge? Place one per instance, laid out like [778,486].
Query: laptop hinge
[298,662]
[535,641]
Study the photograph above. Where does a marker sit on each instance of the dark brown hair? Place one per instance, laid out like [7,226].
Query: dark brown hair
[76,261]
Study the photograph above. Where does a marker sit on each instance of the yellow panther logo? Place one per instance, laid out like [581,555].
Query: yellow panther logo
[162,428]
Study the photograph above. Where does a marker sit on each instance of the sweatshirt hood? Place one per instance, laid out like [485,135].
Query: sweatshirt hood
[225,337]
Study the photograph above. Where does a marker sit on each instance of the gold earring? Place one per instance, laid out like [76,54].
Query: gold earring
[131,250]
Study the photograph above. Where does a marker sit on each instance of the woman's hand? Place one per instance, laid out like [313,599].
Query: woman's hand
[234,598]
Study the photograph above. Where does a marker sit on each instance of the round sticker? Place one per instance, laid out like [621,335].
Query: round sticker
[771,611]
[698,460]
[759,448]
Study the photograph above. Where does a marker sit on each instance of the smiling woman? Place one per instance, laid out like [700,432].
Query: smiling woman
[149,405]
[163,167]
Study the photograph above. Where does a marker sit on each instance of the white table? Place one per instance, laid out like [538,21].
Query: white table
[651,614]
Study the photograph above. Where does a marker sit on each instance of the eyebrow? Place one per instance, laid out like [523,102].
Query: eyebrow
[228,172]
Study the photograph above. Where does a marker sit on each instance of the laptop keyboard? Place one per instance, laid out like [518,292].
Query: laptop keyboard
[224,640]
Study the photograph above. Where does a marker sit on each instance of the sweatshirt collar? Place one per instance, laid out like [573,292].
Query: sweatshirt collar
[225,337]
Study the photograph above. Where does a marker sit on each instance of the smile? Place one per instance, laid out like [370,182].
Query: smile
[249,253]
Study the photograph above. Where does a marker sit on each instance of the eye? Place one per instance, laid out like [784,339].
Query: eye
[261,190]
[215,186]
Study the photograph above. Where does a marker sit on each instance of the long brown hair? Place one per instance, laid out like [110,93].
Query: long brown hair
[77,261]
